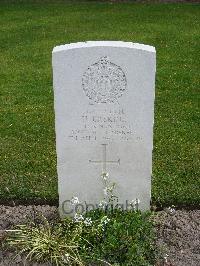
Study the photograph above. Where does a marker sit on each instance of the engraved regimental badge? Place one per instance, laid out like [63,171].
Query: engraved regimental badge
[104,82]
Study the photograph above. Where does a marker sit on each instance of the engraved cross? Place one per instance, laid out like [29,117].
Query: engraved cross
[104,159]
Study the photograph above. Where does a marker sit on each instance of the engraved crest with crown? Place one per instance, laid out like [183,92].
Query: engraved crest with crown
[104,82]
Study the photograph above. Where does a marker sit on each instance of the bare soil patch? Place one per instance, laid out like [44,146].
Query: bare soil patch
[178,235]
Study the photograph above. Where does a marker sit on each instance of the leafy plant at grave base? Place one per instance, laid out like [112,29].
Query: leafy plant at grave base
[125,238]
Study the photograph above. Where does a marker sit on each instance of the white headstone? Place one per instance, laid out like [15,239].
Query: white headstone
[104,109]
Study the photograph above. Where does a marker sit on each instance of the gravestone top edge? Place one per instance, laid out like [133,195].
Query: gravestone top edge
[118,44]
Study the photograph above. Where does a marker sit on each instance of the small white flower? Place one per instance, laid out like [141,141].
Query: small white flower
[101,226]
[105,191]
[166,257]
[88,222]
[135,203]
[102,204]
[105,220]
[170,210]
[78,218]
[74,201]
[105,176]
[67,257]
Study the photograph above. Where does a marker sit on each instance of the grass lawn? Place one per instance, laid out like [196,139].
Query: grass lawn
[28,33]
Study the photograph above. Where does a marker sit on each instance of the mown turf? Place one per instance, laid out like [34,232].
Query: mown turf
[28,33]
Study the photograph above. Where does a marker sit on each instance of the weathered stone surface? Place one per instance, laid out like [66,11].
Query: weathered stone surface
[104,108]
